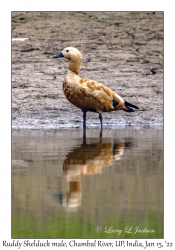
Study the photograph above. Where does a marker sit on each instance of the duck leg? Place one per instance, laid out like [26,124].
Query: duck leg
[84,135]
[84,127]
[84,119]
[101,123]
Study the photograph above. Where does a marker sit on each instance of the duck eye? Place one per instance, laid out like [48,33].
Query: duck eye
[67,50]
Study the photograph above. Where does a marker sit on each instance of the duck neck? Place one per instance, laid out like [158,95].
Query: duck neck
[75,65]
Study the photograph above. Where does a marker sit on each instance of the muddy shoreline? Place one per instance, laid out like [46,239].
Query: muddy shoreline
[123,50]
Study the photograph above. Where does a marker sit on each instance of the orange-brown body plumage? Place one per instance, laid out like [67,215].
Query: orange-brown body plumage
[89,95]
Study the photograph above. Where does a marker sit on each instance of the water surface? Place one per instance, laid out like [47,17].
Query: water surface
[64,186]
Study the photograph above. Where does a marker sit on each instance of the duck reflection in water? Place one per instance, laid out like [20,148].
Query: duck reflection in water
[89,158]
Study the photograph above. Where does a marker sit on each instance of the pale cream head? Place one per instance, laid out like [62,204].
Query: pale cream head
[74,56]
[71,53]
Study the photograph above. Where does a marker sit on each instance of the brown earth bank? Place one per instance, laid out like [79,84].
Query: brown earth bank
[123,50]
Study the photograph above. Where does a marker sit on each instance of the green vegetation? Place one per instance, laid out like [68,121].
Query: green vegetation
[160,57]
[24,227]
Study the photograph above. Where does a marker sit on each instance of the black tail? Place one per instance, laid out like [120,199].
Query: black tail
[129,106]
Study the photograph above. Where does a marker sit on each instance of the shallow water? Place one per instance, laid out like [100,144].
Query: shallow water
[64,186]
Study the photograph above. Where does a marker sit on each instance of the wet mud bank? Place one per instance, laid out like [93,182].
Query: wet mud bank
[123,50]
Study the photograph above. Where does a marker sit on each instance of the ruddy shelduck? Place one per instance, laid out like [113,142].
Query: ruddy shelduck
[89,95]
[86,159]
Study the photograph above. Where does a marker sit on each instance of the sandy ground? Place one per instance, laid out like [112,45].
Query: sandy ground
[123,50]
